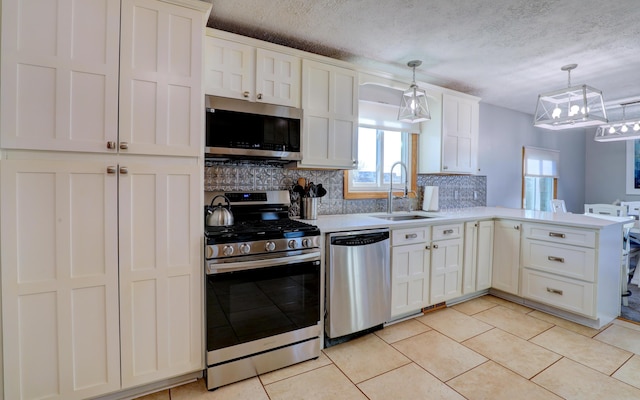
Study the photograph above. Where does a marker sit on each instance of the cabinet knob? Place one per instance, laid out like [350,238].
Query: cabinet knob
[111,169]
[516,227]
[259,96]
[355,162]
[124,145]
[124,170]
[427,247]
[245,94]
[445,167]
[111,145]
[435,246]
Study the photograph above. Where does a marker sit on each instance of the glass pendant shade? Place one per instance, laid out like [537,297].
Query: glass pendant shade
[573,107]
[413,105]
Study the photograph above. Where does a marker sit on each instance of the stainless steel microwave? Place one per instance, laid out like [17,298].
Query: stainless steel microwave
[243,129]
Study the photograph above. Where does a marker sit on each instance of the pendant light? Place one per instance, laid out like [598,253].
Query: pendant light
[413,106]
[573,107]
[625,129]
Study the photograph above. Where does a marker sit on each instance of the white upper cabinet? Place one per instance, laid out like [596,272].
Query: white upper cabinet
[161,101]
[59,74]
[449,142]
[242,71]
[330,123]
[69,84]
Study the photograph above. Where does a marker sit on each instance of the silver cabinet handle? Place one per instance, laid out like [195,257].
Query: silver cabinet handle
[427,247]
[411,236]
[435,246]
[124,145]
[259,96]
[445,167]
[111,145]
[447,231]
[245,94]
[554,291]
[558,259]
[516,227]
[124,170]
[111,169]
[558,235]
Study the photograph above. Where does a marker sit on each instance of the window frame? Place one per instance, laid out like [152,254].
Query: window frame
[382,194]
[524,175]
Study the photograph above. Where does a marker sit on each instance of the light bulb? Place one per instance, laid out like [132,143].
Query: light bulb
[636,127]
[574,110]
[612,130]
[556,113]
[624,128]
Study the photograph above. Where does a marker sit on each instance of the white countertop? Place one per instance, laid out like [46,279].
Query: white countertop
[346,222]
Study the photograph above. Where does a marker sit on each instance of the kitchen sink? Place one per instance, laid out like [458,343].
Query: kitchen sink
[402,217]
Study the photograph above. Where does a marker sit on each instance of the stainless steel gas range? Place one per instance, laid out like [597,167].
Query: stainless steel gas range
[262,289]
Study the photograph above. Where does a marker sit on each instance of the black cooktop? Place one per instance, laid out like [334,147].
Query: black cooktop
[246,231]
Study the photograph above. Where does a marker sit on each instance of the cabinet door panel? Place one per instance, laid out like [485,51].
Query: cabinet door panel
[228,68]
[277,78]
[485,255]
[59,279]
[160,271]
[409,278]
[161,99]
[446,270]
[59,74]
[506,256]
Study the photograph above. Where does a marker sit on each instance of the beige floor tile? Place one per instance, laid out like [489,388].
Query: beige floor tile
[246,389]
[520,356]
[590,352]
[508,304]
[162,395]
[454,324]
[622,337]
[474,306]
[630,372]
[627,324]
[408,382]
[572,380]
[295,369]
[572,326]
[513,322]
[401,330]
[322,383]
[365,357]
[439,355]
[492,381]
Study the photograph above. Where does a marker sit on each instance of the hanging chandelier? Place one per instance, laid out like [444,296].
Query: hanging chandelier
[413,106]
[625,129]
[573,107]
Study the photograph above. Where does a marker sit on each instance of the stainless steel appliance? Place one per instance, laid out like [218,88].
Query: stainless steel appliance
[262,289]
[238,128]
[358,281]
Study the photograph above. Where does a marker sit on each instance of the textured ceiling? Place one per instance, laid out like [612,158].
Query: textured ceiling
[504,51]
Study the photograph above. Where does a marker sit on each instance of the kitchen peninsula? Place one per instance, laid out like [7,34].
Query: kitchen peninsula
[564,264]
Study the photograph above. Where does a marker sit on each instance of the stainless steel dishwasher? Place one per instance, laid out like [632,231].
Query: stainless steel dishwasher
[358,280]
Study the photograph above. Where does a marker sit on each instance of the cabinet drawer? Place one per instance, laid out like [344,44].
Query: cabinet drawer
[571,295]
[570,261]
[410,235]
[557,234]
[447,231]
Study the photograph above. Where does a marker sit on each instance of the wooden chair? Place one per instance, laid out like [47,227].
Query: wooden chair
[558,206]
[605,209]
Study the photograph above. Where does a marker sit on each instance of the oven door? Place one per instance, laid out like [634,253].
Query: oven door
[250,310]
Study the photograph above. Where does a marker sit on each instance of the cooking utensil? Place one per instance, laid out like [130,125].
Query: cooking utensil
[320,191]
[220,215]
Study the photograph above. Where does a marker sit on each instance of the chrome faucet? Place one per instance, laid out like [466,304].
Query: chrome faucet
[406,185]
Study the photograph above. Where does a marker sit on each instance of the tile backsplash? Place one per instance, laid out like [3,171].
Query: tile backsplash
[455,191]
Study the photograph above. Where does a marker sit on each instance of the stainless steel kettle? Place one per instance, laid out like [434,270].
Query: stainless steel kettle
[220,215]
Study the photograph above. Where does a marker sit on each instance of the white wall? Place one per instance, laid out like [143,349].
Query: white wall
[503,132]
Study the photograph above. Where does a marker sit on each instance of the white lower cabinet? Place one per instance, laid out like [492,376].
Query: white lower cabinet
[446,262]
[505,274]
[478,256]
[101,274]
[410,258]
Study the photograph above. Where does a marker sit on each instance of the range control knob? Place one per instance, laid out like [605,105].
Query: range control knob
[306,243]
[245,248]
[270,246]
[293,244]
[227,250]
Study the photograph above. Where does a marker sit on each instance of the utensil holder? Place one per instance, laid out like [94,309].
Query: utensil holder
[309,208]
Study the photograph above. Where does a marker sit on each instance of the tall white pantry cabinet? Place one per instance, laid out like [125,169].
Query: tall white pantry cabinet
[101,174]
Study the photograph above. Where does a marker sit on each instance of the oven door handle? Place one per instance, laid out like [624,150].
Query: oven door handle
[217,268]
